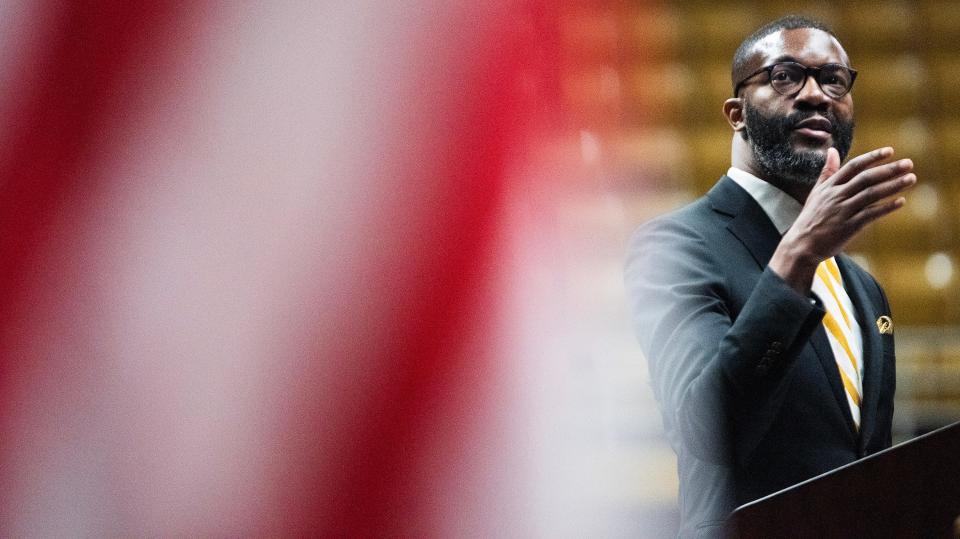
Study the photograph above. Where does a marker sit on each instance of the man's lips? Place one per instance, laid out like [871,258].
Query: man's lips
[817,127]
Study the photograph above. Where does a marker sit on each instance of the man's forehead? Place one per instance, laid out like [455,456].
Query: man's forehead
[809,46]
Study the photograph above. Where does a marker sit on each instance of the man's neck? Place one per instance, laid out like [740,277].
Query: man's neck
[794,189]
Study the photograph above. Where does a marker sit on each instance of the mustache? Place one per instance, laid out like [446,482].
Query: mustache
[791,120]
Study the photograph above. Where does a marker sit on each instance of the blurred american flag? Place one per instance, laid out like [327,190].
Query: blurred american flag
[279,269]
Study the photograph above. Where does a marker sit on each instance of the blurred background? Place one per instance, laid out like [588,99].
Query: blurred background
[298,269]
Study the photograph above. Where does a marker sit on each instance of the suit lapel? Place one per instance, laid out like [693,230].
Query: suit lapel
[749,222]
[872,349]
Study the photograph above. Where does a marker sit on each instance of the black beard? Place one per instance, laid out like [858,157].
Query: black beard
[781,164]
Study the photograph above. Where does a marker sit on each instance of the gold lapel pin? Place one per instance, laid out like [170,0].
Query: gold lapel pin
[885,325]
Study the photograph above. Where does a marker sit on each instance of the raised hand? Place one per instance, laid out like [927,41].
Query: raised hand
[840,204]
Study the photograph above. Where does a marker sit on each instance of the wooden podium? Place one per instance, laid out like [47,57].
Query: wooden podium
[909,490]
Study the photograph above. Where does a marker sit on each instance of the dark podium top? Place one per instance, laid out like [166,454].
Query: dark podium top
[909,490]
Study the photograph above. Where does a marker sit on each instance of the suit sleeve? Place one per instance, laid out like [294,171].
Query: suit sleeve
[719,378]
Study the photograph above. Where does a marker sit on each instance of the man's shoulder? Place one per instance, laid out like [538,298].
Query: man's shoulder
[696,219]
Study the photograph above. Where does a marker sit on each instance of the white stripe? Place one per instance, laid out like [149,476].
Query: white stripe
[854,409]
[831,305]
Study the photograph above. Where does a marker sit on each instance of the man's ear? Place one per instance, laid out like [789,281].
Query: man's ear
[733,110]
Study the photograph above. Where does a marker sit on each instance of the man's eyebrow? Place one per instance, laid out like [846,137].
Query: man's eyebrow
[784,58]
[788,58]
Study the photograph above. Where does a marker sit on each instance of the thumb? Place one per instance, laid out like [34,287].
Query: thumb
[831,166]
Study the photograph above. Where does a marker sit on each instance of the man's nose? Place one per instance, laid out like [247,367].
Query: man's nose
[811,93]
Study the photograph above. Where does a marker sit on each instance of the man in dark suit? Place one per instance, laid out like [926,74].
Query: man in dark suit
[771,354]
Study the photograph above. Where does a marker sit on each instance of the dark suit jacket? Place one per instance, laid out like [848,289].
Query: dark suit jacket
[748,387]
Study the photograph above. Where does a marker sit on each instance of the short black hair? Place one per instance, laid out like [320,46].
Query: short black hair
[788,22]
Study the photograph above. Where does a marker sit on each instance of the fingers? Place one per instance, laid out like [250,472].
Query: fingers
[873,212]
[831,165]
[860,163]
[875,175]
[882,189]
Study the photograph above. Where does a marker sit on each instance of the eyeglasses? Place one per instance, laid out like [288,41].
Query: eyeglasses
[788,78]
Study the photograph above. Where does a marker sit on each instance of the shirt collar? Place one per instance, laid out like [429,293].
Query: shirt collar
[781,208]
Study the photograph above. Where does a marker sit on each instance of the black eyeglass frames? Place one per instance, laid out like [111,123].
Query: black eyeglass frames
[788,78]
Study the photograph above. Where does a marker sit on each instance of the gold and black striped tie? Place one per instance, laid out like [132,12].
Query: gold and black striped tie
[840,328]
